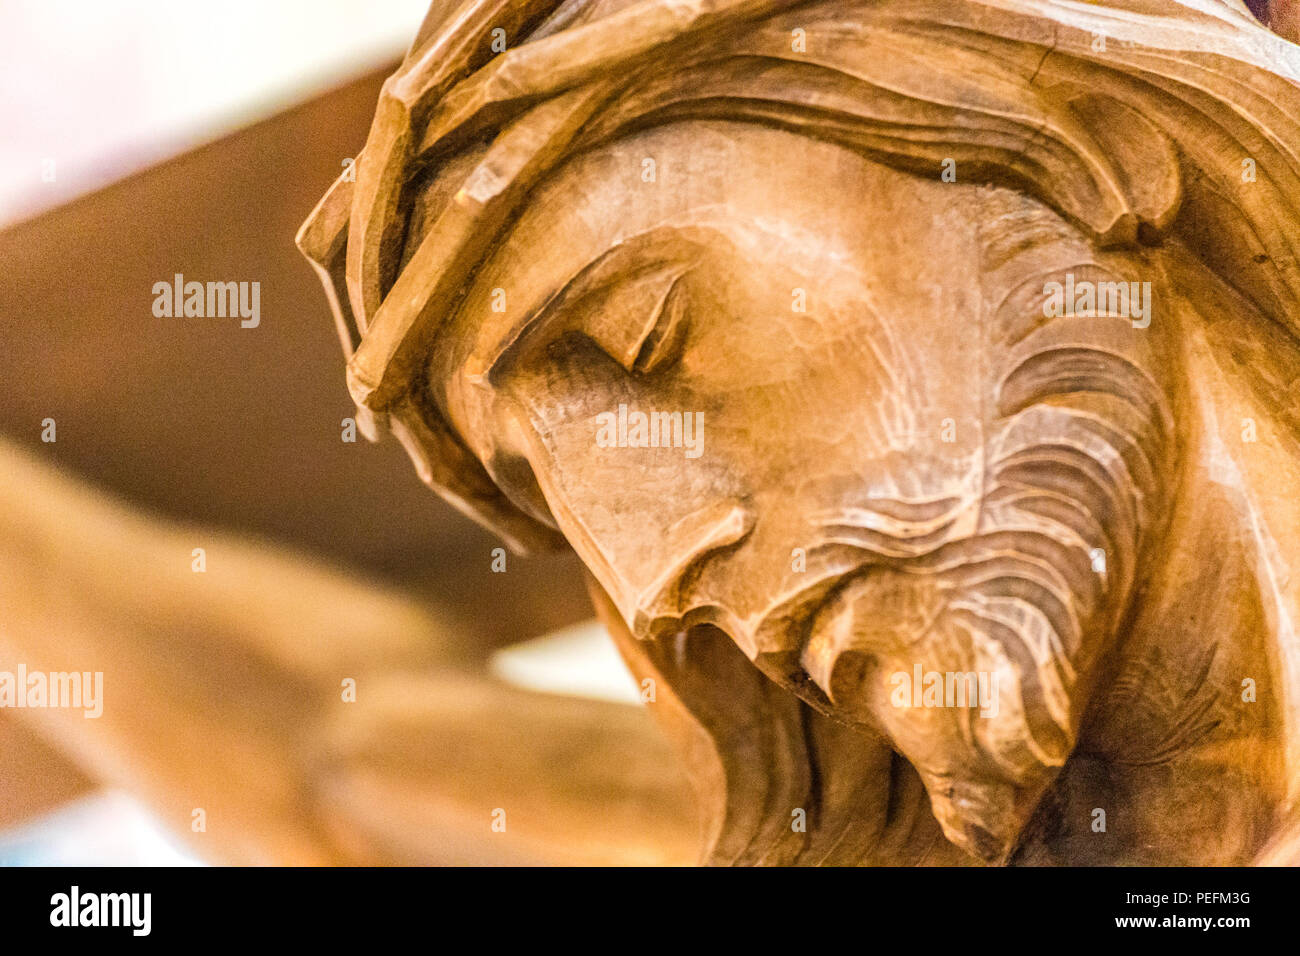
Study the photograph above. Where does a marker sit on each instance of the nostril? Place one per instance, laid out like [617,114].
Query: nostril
[688,546]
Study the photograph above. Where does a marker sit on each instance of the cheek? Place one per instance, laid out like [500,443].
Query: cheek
[834,368]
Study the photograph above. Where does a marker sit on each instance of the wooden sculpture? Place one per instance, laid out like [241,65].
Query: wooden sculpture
[917,380]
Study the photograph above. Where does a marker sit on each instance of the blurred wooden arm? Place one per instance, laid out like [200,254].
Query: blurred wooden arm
[223,691]
[34,778]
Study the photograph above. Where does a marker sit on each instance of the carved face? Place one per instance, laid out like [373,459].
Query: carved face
[763,383]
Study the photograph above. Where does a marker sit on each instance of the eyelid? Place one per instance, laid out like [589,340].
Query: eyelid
[667,330]
[601,304]
[658,298]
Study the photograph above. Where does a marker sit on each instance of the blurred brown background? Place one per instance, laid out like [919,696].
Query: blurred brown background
[202,420]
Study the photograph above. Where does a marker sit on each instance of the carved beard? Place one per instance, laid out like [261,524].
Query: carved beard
[1022,588]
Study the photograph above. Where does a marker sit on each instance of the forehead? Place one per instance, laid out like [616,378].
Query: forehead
[769,198]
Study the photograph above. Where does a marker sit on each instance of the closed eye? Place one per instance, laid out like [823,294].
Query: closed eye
[641,322]
[631,302]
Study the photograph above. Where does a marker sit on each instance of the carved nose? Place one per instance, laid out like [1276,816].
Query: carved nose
[684,548]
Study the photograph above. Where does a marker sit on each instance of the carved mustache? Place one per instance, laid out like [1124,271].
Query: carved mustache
[1025,582]
[1000,586]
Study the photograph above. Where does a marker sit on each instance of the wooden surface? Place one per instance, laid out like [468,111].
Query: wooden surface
[794,147]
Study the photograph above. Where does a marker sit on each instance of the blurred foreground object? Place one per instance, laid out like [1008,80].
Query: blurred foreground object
[225,702]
